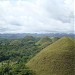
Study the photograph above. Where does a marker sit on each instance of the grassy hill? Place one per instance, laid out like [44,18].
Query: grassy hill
[43,42]
[56,59]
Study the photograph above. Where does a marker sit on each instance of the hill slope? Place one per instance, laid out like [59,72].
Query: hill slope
[56,59]
[43,42]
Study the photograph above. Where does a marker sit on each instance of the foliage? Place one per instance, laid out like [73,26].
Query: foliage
[15,53]
[15,69]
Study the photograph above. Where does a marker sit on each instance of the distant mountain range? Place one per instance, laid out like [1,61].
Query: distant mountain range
[22,35]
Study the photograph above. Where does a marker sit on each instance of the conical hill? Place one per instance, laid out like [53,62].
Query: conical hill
[56,59]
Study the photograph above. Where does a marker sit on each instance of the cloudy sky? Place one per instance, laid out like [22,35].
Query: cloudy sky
[28,16]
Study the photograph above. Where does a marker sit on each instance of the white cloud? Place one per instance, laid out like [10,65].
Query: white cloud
[36,16]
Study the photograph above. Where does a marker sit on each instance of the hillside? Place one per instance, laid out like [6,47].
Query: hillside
[56,59]
[43,42]
[15,42]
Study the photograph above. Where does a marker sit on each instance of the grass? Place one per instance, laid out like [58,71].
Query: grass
[43,42]
[56,59]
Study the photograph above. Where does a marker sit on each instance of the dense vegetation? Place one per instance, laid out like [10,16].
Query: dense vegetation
[14,53]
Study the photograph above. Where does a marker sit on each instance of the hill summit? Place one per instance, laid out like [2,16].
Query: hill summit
[56,59]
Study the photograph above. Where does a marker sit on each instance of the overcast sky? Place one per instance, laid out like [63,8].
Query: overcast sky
[23,16]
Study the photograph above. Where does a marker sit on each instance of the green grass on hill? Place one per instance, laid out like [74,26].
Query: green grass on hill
[56,59]
[43,42]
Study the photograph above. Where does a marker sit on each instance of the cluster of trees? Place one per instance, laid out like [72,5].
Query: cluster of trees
[14,53]
[18,49]
[15,69]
